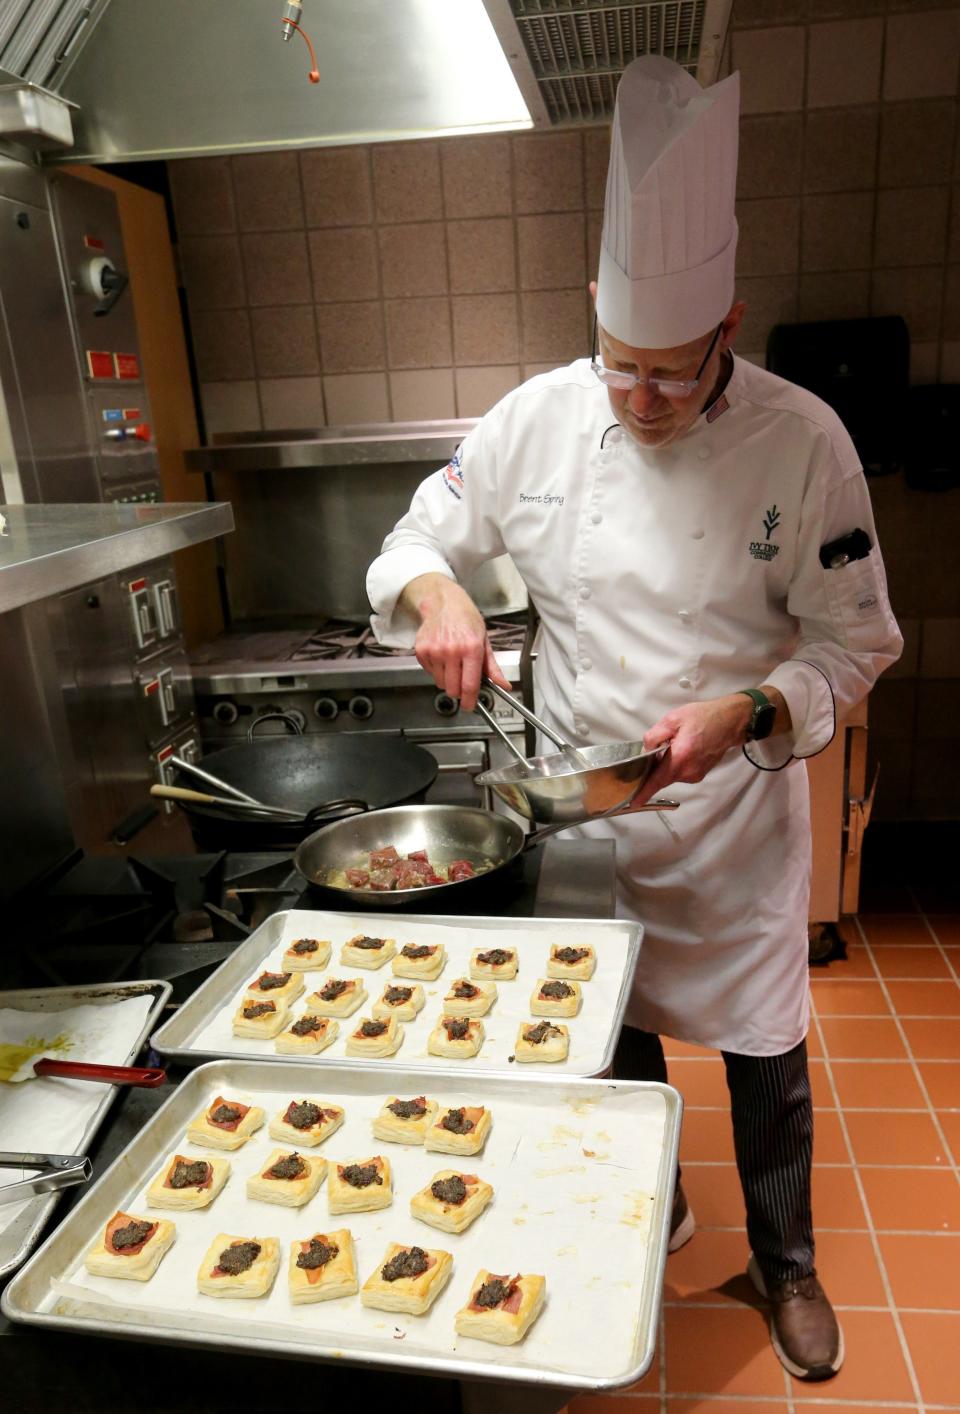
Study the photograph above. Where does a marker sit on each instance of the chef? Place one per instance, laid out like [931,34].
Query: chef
[697,536]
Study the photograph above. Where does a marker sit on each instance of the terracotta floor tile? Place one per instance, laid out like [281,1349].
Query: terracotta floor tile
[873,1367]
[857,962]
[836,1200]
[951,1128]
[910,962]
[878,1085]
[905,929]
[813,1403]
[866,1039]
[934,1343]
[707,1137]
[849,998]
[722,1351]
[700,1271]
[829,1145]
[820,1086]
[814,1046]
[933,1040]
[912,1200]
[922,1270]
[925,998]
[942,1079]
[679,1405]
[700,1082]
[848,1268]
[684,1048]
[947,928]
[714,1193]
[884,1138]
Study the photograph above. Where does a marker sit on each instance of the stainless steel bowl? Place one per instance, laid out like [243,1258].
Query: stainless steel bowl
[551,790]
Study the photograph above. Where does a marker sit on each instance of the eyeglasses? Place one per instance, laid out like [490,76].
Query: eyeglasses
[668,387]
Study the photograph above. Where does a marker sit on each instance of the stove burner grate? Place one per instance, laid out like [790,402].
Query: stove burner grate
[339,640]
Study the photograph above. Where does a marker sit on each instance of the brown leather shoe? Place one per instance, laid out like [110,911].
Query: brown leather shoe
[803,1327]
[682,1224]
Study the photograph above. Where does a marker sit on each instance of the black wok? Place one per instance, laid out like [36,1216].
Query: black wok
[302,773]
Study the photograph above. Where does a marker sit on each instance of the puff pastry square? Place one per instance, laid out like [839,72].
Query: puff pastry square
[460,1130]
[389,1289]
[251,1267]
[259,1018]
[501,1309]
[567,962]
[541,1042]
[399,1000]
[361,1187]
[323,1268]
[451,1200]
[466,998]
[131,1247]
[364,951]
[287,1178]
[426,960]
[405,1121]
[306,1123]
[555,996]
[456,1036]
[375,1038]
[225,1124]
[306,955]
[276,987]
[339,996]
[307,1036]
[494,963]
[188,1182]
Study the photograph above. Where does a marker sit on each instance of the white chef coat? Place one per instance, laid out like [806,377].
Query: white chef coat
[671,576]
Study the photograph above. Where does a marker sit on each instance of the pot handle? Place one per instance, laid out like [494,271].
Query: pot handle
[535,836]
[291,722]
[336,808]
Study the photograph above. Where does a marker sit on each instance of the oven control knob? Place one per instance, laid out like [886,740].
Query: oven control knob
[446,705]
[225,712]
[361,708]
[486,699]
[297,718]
[326,708]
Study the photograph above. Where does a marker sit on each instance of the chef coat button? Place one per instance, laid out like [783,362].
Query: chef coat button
[685,682]
[684,614]
[696,534]
[586,664]
[596,518]
[703,453]
[582,728]
[584,591]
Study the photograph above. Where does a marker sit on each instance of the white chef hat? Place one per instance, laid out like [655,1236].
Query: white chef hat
[669,239]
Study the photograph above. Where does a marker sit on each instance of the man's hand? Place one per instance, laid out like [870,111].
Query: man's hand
[697,736]
[451,643]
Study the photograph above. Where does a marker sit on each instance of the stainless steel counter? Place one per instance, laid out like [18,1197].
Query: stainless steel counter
[47,549]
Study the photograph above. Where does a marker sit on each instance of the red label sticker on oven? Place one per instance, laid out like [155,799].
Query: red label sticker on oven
[127,365]
[132,414]
[136,585]
[151,687]
[165,754]
[99,363]
[93,243]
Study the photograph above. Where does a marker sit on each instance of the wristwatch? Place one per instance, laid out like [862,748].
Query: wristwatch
[764,714]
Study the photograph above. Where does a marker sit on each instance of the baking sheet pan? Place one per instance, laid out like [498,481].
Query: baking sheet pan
[201,1029]
[19,1234]
[583,1174]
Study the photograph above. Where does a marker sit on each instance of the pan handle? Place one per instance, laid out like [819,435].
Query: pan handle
[535,836]
[336,808]
[291,722]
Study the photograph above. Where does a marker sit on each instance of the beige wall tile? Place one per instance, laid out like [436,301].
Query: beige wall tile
[406,181]
[336,186]
[482,258]
[835,294]
[596,156]
[916,144]
[230,407]
[837,231]
[212,271]
[202,193]
[771,64]
[479,388]
[846,9]
[770,299]
[476,176]
[554,325]
[485,329]
[291,403]
[953,238]
[771,149]
[356,397]
[344,264]
[277,268]
[840,152]
[911,226]
[531,370]
[769,242]
[921,54]
[844,58]
[222,344]
[267,189]
[422,394]
[285,341]
[551,251]
[950,361]
[548,172]
[940,651]
[893,708]
[594,235]
[749,14]
[915,294]
[755,356]
[951,303]
[351,336]
[418,333]
[413,259]
[924,362]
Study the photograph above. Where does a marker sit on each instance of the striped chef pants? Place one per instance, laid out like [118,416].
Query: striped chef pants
[772,1113]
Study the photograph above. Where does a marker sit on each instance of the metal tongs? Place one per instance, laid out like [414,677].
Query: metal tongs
[568,749]
[54,1171]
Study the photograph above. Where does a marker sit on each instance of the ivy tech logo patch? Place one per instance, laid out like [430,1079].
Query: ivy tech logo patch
[764,549]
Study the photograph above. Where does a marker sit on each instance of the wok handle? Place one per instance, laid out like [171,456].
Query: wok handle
[535,836]
[492,722]
[526,714]
[287,717]
[112,1074]
[198,797]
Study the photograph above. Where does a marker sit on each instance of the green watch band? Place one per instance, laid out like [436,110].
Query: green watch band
[764,714]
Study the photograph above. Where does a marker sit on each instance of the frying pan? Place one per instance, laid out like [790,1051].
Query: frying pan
[446,832]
